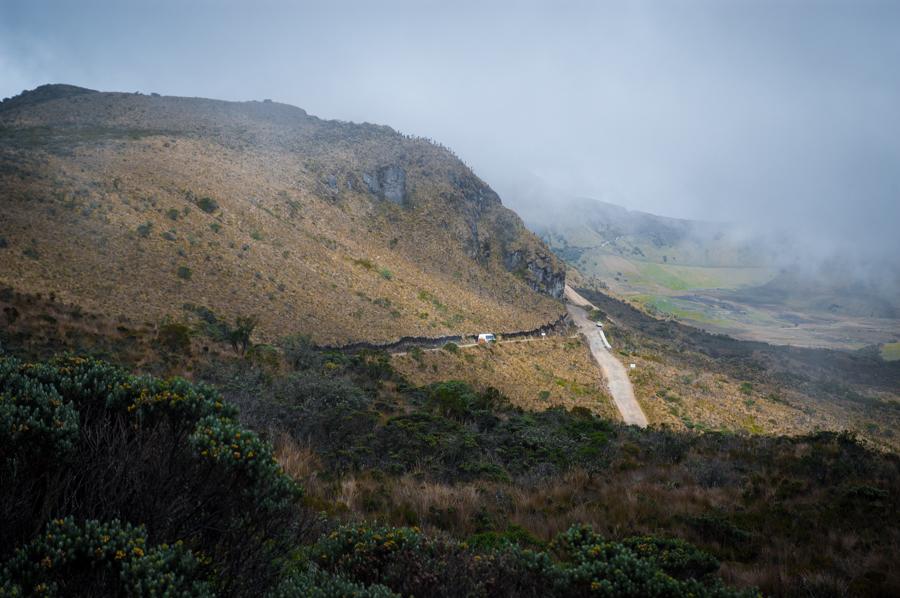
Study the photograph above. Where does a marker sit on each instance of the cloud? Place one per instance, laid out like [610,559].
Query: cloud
[781,115]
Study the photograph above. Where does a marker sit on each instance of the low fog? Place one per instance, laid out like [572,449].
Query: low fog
[781,116]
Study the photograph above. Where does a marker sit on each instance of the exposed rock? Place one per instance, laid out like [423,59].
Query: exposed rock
[540,271]
[388,182]
[509,240]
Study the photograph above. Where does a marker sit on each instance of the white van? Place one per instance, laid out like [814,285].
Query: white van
[486,338]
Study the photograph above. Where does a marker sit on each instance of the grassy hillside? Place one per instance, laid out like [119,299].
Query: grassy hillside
[691,379]
[534,375]
[890,351]
[132,205]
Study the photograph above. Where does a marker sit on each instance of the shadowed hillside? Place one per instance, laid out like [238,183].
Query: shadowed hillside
[135,205]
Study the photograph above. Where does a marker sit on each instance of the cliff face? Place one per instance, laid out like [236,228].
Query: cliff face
[343,231]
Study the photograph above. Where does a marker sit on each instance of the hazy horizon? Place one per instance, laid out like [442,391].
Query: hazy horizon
[773,114]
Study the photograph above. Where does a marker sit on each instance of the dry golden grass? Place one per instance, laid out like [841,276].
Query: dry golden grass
[681,398]
[107,220]
[708,399]
[535,375]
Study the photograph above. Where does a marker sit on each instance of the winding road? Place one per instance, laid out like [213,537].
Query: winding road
[615,373]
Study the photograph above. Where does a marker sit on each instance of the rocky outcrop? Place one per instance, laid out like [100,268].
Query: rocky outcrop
[387,182]
[542,272]
[518,249]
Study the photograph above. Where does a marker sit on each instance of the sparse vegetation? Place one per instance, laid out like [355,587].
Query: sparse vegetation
[144,230]
[207,204]
[184,273]
[240,335]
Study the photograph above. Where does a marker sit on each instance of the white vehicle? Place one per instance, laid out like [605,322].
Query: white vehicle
[486,338]
[599,325]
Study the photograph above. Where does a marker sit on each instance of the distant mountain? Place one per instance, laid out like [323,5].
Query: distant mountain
[718,276]
[616,245]
[139,204]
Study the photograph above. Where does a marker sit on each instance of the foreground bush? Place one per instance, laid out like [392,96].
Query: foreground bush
[83,441]
[577,563]
[71,559]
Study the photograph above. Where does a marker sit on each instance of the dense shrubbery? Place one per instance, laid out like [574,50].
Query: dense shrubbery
[151,462]
[83,442]
[577,563]
[448,430]
[70,559]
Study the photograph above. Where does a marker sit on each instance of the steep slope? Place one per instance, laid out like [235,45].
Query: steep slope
[138,205]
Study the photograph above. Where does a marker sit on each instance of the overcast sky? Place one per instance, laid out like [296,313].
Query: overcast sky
[760,111]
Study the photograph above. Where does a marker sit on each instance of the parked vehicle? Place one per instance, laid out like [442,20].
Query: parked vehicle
[486,338]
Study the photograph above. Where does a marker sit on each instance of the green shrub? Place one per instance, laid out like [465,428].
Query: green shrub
[173,214]
[35,421]
[96,558]
[386,274]
[207,204]
[451,347]
[175,337]
[215,227]
[143,230]
[416,353]
[184,273]
[676,557]
[577,563]
[310,581]
[240,335]
[94,443]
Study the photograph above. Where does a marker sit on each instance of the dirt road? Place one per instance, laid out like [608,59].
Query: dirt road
[615,373]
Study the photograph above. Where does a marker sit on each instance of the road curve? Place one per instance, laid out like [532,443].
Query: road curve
[615,373]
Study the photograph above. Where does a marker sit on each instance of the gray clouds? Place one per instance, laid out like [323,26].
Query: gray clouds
[771,113]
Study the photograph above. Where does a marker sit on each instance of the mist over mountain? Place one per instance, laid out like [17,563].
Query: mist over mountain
[780,115]
[816,261]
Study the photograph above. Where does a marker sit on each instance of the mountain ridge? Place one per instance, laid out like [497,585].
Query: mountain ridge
[349,232]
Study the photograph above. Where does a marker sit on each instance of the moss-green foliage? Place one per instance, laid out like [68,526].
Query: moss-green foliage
[207,204]
[83,441]
[238,335]
[577,563]
[143,230]
[174,337]
[184,273]
[68,558]
[34,417]
[310,581]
